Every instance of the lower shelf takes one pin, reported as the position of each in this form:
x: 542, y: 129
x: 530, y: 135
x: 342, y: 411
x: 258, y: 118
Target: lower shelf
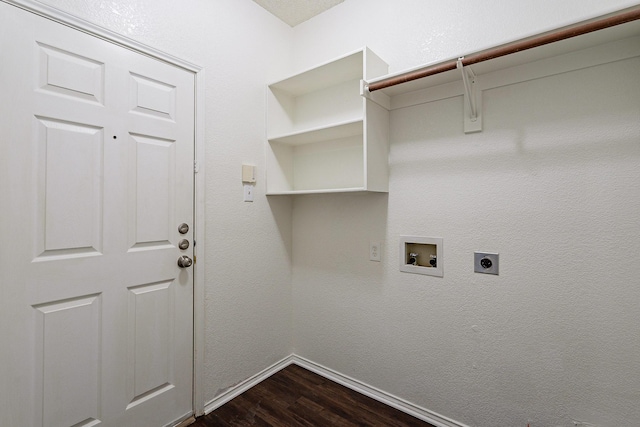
x: 320, y: 167
x: 319, y: 191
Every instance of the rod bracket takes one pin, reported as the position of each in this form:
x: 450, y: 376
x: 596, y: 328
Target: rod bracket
x: 378, y: 97
x: 472, y: 99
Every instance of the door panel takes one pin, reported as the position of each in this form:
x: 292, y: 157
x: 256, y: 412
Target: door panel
x: 70, y: 74
x: 97, y: 173
x: 67, y: 333
x: 150, y: 362
x: 155, y: 98
x: 152, y: 181
x: 69, y: 188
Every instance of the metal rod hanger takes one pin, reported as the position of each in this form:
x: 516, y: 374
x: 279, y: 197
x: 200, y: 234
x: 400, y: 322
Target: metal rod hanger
x: 624, y: 16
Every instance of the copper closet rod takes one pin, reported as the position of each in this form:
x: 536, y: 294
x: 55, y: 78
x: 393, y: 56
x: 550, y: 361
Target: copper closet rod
x: 627, y: 15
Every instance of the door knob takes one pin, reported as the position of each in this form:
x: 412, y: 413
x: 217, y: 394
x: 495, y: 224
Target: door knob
x: 184, y: 261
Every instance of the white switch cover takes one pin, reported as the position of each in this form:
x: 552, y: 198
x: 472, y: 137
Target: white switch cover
x: 374, y: 251
x: 248, y: 193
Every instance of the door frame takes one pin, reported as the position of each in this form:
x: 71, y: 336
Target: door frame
x: 79, y: 24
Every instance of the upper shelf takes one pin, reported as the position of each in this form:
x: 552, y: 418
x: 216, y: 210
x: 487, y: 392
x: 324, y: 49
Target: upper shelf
x: 607, y: 35
x: 348, y: 67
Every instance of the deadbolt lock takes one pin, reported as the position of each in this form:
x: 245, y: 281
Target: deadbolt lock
x: 183, y: 244
x: 183, y: 228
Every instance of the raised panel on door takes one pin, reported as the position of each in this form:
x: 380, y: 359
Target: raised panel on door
x: 151, y: 338
x: 69, y: 188
x: 68, y: 354
x: 69, y: 74
x: 153, y: 97
x: 152, y: 164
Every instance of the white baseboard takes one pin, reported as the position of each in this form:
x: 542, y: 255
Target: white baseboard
x: 355, y: 385
x: 376, y: 394
x: 245, y: 385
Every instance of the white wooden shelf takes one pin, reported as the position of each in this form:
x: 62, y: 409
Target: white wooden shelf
x: 323, y: 76
x: 337, y: 131
x: 322, y: 135
x: 320, y: 191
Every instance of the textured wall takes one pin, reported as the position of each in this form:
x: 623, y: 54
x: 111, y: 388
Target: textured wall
x: 553, y: 338
x: 248, y: 272
x: 410, y: 33
x: 552, y: 184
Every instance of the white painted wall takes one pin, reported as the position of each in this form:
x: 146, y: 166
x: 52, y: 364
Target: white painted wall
x: 248, y: 272
x: 552, y: 184
x: 409, y: 33
x: 553, y: 338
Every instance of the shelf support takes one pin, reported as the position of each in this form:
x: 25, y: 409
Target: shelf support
x: 472, y: 99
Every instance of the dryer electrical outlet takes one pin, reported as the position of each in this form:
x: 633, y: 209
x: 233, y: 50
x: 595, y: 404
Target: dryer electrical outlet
x: 486, y: 262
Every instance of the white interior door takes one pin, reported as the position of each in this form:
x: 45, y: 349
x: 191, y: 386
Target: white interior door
x: 96, y: 168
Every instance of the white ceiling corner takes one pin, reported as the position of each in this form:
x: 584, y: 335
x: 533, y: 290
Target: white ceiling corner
x: 294, y: 12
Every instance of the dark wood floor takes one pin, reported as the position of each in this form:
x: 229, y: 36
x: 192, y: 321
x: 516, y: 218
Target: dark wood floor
x: 295, y: 397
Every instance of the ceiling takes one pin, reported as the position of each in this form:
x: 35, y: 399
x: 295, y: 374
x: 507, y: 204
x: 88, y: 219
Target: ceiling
x: 294, y: 12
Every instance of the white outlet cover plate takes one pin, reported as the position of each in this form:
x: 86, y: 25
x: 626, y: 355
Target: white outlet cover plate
x: 375, y: 249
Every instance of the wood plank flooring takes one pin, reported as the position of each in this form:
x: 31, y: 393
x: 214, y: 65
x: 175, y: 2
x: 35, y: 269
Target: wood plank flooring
x: 296, y: 397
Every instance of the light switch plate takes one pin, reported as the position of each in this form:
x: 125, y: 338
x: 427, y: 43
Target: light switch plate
x: 248, y: 193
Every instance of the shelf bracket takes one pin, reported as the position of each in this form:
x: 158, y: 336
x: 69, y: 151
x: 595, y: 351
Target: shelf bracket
x: 472, y: 99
